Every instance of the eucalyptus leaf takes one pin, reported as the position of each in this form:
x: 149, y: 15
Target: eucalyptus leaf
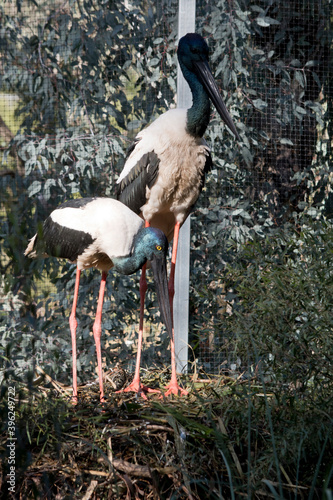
x: 87, y: 80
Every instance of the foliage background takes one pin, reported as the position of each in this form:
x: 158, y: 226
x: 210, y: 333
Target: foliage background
x: 78, y: 79
x: 82, y: 91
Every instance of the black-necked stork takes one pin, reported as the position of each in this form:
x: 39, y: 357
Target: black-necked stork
x: 165, y: 167
x: 104, y: 233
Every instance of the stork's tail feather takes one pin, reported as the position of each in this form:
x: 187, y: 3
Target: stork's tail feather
x: 30, y: 251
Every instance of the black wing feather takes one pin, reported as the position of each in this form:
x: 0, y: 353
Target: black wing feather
x: 60, y: 241
x: 206, y: 170
x: 64, y: 242
x: 132, y: 189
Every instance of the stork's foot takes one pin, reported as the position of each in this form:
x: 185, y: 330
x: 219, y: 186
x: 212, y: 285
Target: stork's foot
x: 141, y: 390
x: 173, y: 388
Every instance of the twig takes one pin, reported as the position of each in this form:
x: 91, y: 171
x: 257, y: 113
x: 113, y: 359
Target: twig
x: 131, y: 469
x: 59, y: 387
x: 90, y: 490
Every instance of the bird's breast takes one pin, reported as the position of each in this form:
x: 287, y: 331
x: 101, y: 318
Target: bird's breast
x: 182, y: 159
x: 179, y: 180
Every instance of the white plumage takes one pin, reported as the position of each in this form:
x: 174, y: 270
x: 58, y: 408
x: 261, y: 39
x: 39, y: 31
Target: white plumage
x: 103, y: 233
x: 110, y: 224
x: 166, y: 166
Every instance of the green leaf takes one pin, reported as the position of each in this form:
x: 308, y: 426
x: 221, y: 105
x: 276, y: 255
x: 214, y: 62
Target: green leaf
x: 259, y: 104
x: 286, y: 141
x: 34, y: 188
x: 266, y: 21
x: 300, y: 77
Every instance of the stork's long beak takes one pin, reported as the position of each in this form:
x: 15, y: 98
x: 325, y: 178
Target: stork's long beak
x: 159, y: 268
x: 206, y: 78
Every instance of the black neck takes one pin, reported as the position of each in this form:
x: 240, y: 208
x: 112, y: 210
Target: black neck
x: 199, y: 114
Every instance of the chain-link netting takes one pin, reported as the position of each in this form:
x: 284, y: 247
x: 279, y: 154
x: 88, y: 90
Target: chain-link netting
x: 78, y: 80
x: 273, y: 62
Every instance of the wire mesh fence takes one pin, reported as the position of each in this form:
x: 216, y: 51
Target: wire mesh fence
x: 273, y: 61
x: 78, y: 80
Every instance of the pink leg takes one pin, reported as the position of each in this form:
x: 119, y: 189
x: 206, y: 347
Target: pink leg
x: 73, y: 326
x: 97, y: 330
x: 135, y: 385
x: 173, y: 387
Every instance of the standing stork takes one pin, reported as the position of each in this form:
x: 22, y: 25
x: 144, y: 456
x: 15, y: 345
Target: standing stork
x: 166, y: 165
x: 104, y: 233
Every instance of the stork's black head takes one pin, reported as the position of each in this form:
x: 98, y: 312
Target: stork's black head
x: 193, y: 55
x: 154, y: 242
x: 192, y: 48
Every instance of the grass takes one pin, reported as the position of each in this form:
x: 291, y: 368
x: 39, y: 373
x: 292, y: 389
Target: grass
x: 226, y: 440
x: 264, y: 432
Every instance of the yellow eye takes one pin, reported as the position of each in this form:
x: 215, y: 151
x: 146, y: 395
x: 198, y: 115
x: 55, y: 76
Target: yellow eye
x: 158, y: 247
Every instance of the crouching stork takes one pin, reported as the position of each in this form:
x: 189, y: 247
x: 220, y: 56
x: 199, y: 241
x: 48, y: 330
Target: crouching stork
x: 166, y: 166
x: 104, y: 233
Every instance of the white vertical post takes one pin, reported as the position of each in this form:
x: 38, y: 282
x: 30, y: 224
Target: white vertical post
x: 186, y: 24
